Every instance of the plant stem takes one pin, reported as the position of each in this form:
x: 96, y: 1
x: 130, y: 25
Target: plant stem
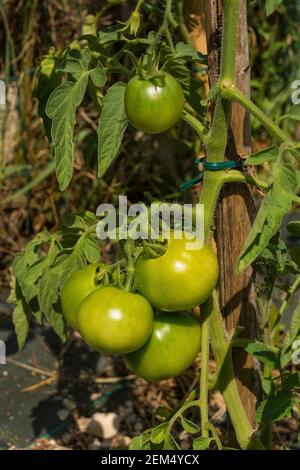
x: 217, y: 142
x: 231, y: 92
x: 213, y: 181
x: 168, y: 17
x: 266, y: 435
x: 169, y: 14
x: 181, y: 23
x: 234, y: 176
x: 212, y: 184
x: 129, y: 246
x: 221, y: 345
x: 205, y: 337
x: 229, y: 41
x: 195, y: 124
x: 182, y: 409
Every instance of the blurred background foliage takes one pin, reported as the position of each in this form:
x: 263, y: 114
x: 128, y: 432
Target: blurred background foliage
x: 147, y: 165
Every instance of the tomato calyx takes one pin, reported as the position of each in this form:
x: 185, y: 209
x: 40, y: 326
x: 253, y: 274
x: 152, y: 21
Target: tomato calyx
x: 110, y: 274
x: 154, y: 249
x: 148, y: 70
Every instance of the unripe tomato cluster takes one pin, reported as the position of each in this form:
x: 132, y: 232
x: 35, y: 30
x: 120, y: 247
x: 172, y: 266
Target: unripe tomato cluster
x: 154, y: 327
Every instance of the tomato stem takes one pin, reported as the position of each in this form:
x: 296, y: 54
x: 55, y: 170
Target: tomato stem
x: 221, y: 345
x: 234, y: 176
x: 229, y: 40
x: 213, y: 182
x: 164, y: 29
x: 205, y: 337
x: 217, y: 142
x: 129, y: 247
x: 195, y: 124
x: 233, y: 93
x: 181, y: 23
x: 178, y: 412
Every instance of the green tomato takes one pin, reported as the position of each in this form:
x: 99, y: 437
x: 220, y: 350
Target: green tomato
x: 114, y: 321
x: 180, y: 279
x: 154, y: 105
x: 172, y: 347
x: 76, y: 288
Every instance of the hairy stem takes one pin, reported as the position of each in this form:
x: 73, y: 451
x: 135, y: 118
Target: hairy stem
x: 168, y: 18
x: 205, y: 339
x: 195, y: 124
x: 229, y: 40
x: 181, y: 23
x: 129, y: 246
x: 221, y: 345
x: 234, y: 176
x: 231, y: 92
x: 212, y: 184
x: 213, y: 181
x: 217, y: 142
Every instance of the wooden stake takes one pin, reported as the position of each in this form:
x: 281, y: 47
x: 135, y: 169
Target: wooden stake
x: 235, y: 214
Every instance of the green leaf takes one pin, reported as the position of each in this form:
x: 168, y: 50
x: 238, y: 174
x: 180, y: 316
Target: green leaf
x: 48, y: 79
x: 271, y: 6
x: 21, y: 322
x: 109, y: 34
x: 61, y: 108
x: 32, y: 249
x: 162, y: 411
x: 170, y: 443
x: 291, y: 335
x: 185, y: 51
x: 19, y: 266
x: 91, y: 249
x: 179, y: 70
x: 201, y: 443
x: 158, y: 433
x: 267, y: 154
x: 75, y: 62
x: 136, y: 443
x: 51, y: 282
x: 264, y: 353
x: 98, y: 76
x: 275, y: 407
x: 112, y: 125
x: 34, y: 273
x: 28, y: 266
x: 267, y: 385
x: 274, y: 207
x: 189, y: 426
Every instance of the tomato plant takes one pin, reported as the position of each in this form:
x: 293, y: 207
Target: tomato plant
x: 156, y: 88
x: 154, y: 105
x: 180, y: 279
x: 172, y: 347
